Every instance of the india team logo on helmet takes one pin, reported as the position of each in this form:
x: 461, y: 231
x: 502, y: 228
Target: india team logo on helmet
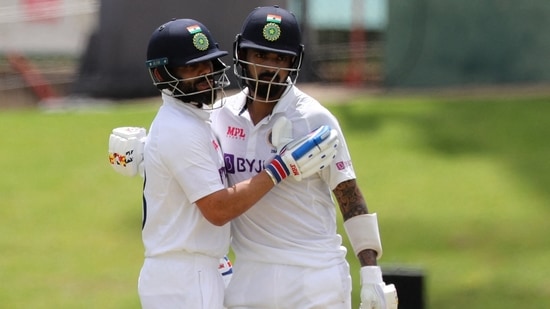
x: 200, y: 41
x: 271, y: 30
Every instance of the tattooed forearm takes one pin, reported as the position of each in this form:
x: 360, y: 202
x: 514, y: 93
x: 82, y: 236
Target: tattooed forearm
x: 350, y: 199
x: 352, y: 203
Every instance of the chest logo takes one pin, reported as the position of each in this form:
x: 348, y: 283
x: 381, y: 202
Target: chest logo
x: 236, y: 133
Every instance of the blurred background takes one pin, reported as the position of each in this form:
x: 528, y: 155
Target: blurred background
x: 94, y: 48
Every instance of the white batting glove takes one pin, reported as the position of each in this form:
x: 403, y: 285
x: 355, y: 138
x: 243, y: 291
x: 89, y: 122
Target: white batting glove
x: 226, y: 270
x: 305, y: 156
x: 375, y: 294
x: 126, y: 150
x: 281, y: 133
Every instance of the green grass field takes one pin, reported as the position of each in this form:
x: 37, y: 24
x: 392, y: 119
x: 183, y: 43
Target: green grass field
x: 461, y: 188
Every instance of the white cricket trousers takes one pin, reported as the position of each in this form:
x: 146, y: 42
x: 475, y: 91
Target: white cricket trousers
x: 181, y: 280
x: 264, y: 286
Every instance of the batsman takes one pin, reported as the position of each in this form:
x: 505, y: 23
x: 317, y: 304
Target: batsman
x: 288, y: 253
x: 187, y: 202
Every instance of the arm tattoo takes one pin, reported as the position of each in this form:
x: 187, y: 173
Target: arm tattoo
x: 350, y: 199
x: 352, y: 203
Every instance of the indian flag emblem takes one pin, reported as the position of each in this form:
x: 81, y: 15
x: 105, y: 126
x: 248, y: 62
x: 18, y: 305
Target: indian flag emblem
x: 272, y: 18
x: 194, y: 29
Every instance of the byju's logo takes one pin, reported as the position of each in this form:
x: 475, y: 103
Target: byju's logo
x: 237, y: 133
x: 235, y: 165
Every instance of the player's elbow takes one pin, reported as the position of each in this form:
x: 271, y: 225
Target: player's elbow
x: 211, y: 210
x: 217, y: 220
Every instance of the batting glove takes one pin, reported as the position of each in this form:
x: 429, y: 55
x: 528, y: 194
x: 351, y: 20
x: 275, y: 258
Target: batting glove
x: 375, y: 294
x: 305, y: 156
x: 281, y: 133
x: 126, y: 150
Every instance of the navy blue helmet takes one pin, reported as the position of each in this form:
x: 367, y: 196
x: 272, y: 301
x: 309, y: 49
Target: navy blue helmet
x: 182, y: 42
x: 268, y: 29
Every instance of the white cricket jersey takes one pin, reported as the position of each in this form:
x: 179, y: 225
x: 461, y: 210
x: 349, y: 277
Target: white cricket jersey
x: 183, y: 163
x: 295, y: 223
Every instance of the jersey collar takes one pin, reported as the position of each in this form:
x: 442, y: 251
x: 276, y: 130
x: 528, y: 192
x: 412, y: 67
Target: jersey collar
x: 186, y: 107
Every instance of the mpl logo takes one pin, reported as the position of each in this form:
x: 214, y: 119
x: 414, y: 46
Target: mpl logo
x: 237, y: 133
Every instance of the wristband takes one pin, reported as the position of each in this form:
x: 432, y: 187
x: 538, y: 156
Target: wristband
x: 277, y: 170
x: 269, y: 173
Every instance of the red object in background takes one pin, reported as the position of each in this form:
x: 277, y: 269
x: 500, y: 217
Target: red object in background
x: 41, y: 9
x: 32, y: 76
x: 356, y: 75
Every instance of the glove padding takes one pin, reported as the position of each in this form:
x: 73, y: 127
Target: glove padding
x: 375, y: 294
x: 226, y: 270
x: 305, y: 156
x: 126, y: 150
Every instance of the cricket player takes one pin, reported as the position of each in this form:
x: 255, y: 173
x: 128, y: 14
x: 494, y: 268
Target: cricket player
x: 287, y: 251
x: 187, y: 203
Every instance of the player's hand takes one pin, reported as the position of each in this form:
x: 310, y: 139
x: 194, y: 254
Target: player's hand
x: 226, y: 270
x: 375, y: 294
x: 126, y: 150
x: 305, y: 156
